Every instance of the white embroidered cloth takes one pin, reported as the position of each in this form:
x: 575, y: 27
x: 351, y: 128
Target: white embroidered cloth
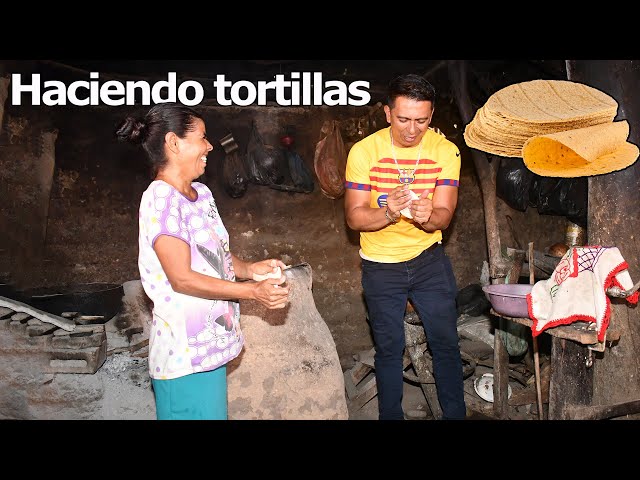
x: 576, y: 291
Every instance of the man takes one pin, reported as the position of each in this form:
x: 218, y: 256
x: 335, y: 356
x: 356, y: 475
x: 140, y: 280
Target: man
x: 402, y: 255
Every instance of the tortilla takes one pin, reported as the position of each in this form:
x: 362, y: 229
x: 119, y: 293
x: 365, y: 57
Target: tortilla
x: 552, y: 101
x: 524, y: 110
x: 593, y: 150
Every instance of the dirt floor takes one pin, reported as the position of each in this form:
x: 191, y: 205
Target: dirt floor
x: 416, y: 407
x: 476, y: 343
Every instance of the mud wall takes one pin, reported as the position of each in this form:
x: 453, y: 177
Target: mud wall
x: 91, y: 228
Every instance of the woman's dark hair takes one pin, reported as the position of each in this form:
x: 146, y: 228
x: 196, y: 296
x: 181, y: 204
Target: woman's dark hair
x: 412, y: 86
x: 152, y: 128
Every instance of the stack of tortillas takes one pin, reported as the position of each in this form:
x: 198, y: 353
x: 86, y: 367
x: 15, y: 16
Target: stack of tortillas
x: 559, y: 128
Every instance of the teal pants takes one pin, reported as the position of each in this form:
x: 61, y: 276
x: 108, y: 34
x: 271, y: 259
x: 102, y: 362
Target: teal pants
x: 199, y: 396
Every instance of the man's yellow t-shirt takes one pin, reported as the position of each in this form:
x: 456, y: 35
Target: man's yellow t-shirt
x: 371, y: 167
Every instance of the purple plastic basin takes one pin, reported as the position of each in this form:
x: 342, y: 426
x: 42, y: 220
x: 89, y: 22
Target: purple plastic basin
x: 509, y: 299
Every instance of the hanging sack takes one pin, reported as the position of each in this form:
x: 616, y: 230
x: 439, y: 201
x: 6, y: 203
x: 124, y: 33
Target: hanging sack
x: 234, y: 176
x: 330, y: 160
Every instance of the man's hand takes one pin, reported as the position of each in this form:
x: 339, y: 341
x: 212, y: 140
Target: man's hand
x: 398, y: 199
x: 421, y: 209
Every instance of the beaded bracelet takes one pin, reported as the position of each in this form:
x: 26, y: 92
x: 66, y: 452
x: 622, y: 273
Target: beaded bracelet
x: 389, y: 217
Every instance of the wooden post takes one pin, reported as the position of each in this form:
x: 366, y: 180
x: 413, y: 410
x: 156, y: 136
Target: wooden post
x: 415, y: 339
x: 487, y: 171
x: 4, y: 93
x: 613, y: 219
x: 536, y: 356
x: 571, y: 380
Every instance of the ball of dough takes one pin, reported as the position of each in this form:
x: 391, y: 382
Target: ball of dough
x: 407, y: 211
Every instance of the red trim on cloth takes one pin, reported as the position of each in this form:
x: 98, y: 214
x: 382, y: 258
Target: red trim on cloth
x: 574, y: 258
x: 535, y: 331
x: 610, y: 281
x: 548, y: 293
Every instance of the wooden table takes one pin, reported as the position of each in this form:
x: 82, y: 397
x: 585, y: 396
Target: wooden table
x: 580, y: 332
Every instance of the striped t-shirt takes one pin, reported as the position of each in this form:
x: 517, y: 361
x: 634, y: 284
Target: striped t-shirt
x: 371, y: 167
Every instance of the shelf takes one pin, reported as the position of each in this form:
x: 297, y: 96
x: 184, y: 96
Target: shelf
x: 576, y: 331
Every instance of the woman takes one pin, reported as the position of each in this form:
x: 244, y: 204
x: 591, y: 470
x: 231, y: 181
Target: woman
x: 188, y: 271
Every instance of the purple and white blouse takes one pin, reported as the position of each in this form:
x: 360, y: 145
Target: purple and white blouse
x: 189, y: 334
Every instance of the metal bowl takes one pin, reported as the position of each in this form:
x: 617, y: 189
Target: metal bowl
x: 509, y: 299
x: 484, y: 387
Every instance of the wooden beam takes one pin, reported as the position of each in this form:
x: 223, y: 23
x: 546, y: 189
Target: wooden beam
x: 545, y: 263
x: 601, y: 412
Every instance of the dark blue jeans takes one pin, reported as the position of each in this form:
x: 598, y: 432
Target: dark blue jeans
x: 429, y: 283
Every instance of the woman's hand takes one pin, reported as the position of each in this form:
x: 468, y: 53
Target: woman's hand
x: 271, y: 290
x: 272, y: 294
x: 270, y: 268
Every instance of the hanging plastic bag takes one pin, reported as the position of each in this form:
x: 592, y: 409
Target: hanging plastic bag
x: 330, y: 160
x: 300, y: 174
x: 298, y: 178
x: 561, y: 196
x: 513, y: 181
x: 265, y: 163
